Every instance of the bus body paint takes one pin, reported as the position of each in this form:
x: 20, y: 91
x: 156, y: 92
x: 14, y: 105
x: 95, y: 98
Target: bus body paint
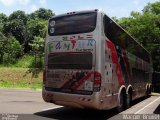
x: 115, y: 61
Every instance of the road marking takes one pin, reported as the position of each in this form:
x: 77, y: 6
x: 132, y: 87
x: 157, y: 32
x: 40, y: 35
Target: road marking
x: 147, y: 106
x: 52, y: 108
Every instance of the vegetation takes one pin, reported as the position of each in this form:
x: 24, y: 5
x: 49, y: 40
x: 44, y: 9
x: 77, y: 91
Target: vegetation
x: 145, y: 27
x: 22, y: 48
x: 20, y: 78
x: 22, y: 33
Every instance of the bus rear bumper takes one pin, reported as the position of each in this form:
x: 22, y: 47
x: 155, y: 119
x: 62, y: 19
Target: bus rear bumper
x: 72, y: 100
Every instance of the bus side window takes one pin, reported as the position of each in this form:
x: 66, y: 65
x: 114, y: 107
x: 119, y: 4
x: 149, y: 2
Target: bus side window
x: 106, y: 25
x: 109, y: 29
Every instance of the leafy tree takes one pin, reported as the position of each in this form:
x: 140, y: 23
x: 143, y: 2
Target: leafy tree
x: 3, y: 20
x: 42, y: 13
x: 38, y: 45
x: 38, y: 50
x: 145, y: 28
x: 37, y: 27
x: 12, y: 50
x: 15, y: 28
x: 153, y: 8
x: 3, y: 42
x: 19, y: 15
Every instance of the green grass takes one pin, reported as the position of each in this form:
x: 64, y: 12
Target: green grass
x: 27, y: 61
x: 155, y: 94
x: 20, y: 78
x: 24, y: 62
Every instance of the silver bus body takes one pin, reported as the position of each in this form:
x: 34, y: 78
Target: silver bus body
x: 88, y: 70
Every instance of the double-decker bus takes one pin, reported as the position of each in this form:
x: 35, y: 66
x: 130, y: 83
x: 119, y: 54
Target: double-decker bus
x: 91, y: 62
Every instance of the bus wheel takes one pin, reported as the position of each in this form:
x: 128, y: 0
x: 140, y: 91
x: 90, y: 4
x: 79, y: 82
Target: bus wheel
x: 147, y: 93
x: 121, y: 104
x: 128, y: 100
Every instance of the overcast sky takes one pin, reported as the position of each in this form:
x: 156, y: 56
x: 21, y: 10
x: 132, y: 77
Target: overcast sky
x: 118, y: 8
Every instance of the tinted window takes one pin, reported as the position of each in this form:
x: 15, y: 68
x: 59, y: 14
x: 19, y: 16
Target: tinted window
x: 121, y: 38
x: 70, y: 61
x: 72, y: 24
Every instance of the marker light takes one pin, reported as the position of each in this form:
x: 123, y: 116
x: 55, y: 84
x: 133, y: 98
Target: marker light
x: 52, y: 30
x: 52, y: 23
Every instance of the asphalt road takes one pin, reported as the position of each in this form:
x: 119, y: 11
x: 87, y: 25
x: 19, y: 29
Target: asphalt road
x: 28, y: 104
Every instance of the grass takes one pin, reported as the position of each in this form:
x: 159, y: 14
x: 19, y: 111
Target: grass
x: 20, y: 78
x: 24, y: 62
x: 155, y: 94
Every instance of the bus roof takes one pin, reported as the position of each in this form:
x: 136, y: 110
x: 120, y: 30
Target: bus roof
x: 75, y: 12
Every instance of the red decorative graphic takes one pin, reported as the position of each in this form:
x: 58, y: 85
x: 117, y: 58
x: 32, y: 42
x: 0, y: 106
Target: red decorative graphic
x: 80, y: 82
x: 73, y: 38
x: 115, y: 61
x: 73, y: 43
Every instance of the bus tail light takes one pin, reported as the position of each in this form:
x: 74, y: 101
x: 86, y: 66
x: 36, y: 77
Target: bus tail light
x: 97, y: 82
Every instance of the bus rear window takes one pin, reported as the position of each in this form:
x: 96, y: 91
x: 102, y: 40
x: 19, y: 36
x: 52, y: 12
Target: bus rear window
x: 70, y: 60
x: 72, y: 24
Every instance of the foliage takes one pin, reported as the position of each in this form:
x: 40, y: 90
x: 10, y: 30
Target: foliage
x: 145, y: 28
x: 3, y: 18
x: 37, y: 28
x: 11, y: 50
x: 38, y: 50
x: 24, y: 62
x: 23, y: 27
x: 153, y: 8
x: 42, y: 13
x: 38, y: 45
x: 18, y: 15
x: 15, y: 28
x: 3, y: 42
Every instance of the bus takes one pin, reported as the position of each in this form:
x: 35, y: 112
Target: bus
x: 92, y: 62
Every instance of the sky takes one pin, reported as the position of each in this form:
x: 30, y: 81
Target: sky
x: 113, y: 8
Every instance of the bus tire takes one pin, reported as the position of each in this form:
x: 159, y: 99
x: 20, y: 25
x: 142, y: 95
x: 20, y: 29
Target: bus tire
x: 121, y: 102
x: 147, y: 93
x: 128, y: 100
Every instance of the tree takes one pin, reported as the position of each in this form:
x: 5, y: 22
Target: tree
x: 145, y: 28
x: 3, y: 42
x: 153, y: 8
x: 3, y: 20
x: 42, y: 13
x: 13, y: 50
x: 10, y: 49
x: 38, y: 50
x: 15, y: 28
x: 37, y: 27
x: 18, y: 15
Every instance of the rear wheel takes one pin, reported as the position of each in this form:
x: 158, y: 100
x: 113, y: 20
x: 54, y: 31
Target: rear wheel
x: 121, y: 105
x: 150, y: 90
x: 147, y: 93
x: 128, y: 100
